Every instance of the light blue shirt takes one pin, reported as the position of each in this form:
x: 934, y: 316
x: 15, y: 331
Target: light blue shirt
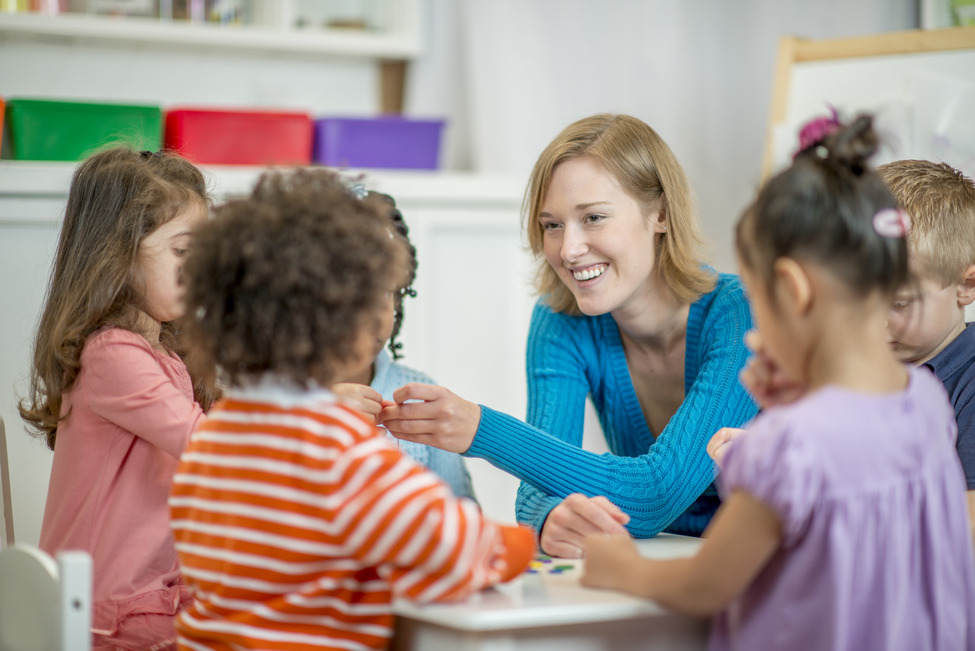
x: 389, y: 376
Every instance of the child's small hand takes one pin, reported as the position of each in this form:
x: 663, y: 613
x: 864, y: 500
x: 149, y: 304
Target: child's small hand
x: 610, y: 559
x: 718, y: 444
x: 361, y: 397
x: 765, y: 380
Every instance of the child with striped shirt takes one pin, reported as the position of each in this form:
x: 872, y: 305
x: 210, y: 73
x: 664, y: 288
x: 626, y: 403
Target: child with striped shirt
x: 296, y: 521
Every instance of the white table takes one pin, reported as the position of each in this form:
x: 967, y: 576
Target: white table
x: 548, y: 611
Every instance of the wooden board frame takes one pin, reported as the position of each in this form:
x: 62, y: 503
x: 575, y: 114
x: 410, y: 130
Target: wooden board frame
x: 794, y: 50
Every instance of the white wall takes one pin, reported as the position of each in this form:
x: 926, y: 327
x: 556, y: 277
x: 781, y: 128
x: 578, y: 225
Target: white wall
x: 699, y: 72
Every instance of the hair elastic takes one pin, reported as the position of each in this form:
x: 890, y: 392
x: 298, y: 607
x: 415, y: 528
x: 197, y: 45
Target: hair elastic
x: 815, y: 131
x: 892, y: 222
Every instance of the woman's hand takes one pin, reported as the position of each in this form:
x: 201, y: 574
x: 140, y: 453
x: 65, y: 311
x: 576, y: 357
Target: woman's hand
x: 717, y: 446
x: 432, y: 415
x: 365, y: 399
x: 765, y: 380
x: 576, y: 517
x: 610, y: 561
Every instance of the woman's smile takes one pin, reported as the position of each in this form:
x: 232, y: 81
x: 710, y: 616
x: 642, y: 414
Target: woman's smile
x: 589, y: 273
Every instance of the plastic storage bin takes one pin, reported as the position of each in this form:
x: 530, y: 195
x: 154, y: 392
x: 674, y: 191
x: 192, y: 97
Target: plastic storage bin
x: 69, y: 131
x: 240, y: 137
x: 386, y: 142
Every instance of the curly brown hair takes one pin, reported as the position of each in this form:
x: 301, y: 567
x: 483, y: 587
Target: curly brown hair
x: 399, y: 224
x: 286, y: 280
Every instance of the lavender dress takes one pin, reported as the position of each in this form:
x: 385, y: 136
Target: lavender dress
x: 876, y: 550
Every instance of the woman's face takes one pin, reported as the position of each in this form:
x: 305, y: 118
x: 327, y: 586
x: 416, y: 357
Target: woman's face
x: 597, y: 238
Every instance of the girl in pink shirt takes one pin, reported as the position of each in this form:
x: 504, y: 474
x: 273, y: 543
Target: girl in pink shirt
x: 109, y: 390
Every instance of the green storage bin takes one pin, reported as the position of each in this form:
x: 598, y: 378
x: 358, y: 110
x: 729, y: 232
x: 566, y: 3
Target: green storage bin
x: 71, y: 131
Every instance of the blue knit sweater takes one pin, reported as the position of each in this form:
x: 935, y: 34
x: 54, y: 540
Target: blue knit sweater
x: 661, y: 482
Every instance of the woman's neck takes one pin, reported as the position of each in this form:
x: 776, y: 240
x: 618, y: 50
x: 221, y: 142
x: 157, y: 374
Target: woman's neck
x: 657, y: 324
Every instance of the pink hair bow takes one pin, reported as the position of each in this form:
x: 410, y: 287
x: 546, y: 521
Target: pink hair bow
x: 815, y: 130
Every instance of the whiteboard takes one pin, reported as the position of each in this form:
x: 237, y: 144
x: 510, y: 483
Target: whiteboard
x: 920, y: 85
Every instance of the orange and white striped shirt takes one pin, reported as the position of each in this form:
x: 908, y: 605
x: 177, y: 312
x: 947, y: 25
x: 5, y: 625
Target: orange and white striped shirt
x: 297, y: 523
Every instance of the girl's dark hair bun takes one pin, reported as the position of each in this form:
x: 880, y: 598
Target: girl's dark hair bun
x: 823, y: 209
x: 851, y: 146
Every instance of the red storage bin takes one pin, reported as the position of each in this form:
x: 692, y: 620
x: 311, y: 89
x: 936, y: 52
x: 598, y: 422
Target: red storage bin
x: 210, y: 137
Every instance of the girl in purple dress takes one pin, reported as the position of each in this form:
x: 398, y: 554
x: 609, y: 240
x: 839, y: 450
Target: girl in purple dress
x: 844, y: 522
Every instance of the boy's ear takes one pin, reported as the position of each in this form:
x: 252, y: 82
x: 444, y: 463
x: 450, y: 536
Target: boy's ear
x: 794, y: 284
x: 966, y: 288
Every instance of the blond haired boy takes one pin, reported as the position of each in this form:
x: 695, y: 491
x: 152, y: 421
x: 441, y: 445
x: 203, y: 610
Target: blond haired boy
x: 927, y: 320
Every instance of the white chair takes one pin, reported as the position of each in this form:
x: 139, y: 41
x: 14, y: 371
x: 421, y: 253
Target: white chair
x: 7, y: 534
x: 44, y: 606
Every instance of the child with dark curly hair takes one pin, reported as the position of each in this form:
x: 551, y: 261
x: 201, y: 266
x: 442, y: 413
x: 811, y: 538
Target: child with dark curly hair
x: 371, y: 386
x: 295, y: 520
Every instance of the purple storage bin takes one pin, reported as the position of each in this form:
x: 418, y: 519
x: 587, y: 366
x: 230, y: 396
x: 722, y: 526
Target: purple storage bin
x: 388, y: 142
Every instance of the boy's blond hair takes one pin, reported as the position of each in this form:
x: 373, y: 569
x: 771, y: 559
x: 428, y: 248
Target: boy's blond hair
x: 941, y: 203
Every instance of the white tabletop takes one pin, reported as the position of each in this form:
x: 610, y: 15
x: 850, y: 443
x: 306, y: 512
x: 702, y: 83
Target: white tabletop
x: 549, y: 598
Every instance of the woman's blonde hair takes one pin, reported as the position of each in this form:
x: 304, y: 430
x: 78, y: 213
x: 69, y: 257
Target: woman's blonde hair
x: 647, y: 170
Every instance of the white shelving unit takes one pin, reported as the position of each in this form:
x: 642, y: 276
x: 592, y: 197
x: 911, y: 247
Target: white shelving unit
x: 399, y: 39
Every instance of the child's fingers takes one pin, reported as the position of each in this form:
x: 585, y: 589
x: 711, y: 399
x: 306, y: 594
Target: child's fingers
x: 719, y: 439
x: 606, y: 556
x: 717, y: 445
x: 753, y: 341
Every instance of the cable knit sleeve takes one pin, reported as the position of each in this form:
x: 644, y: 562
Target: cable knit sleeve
x: 654, y: 487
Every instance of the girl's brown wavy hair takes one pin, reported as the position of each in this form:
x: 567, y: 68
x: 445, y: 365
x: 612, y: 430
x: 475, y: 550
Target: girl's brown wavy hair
x: 117, y: 198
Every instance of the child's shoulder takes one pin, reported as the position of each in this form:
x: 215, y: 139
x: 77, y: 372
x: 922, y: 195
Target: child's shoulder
x: 389, y: 374
x: 957, y: 357
x: 317, y: 412
x: 111, y: 338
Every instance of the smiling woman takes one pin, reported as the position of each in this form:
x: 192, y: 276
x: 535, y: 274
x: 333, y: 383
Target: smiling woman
x: 630, y: 316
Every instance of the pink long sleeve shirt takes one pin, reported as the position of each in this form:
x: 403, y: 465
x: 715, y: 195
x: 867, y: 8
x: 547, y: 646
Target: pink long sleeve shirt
x: 126, y: 421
